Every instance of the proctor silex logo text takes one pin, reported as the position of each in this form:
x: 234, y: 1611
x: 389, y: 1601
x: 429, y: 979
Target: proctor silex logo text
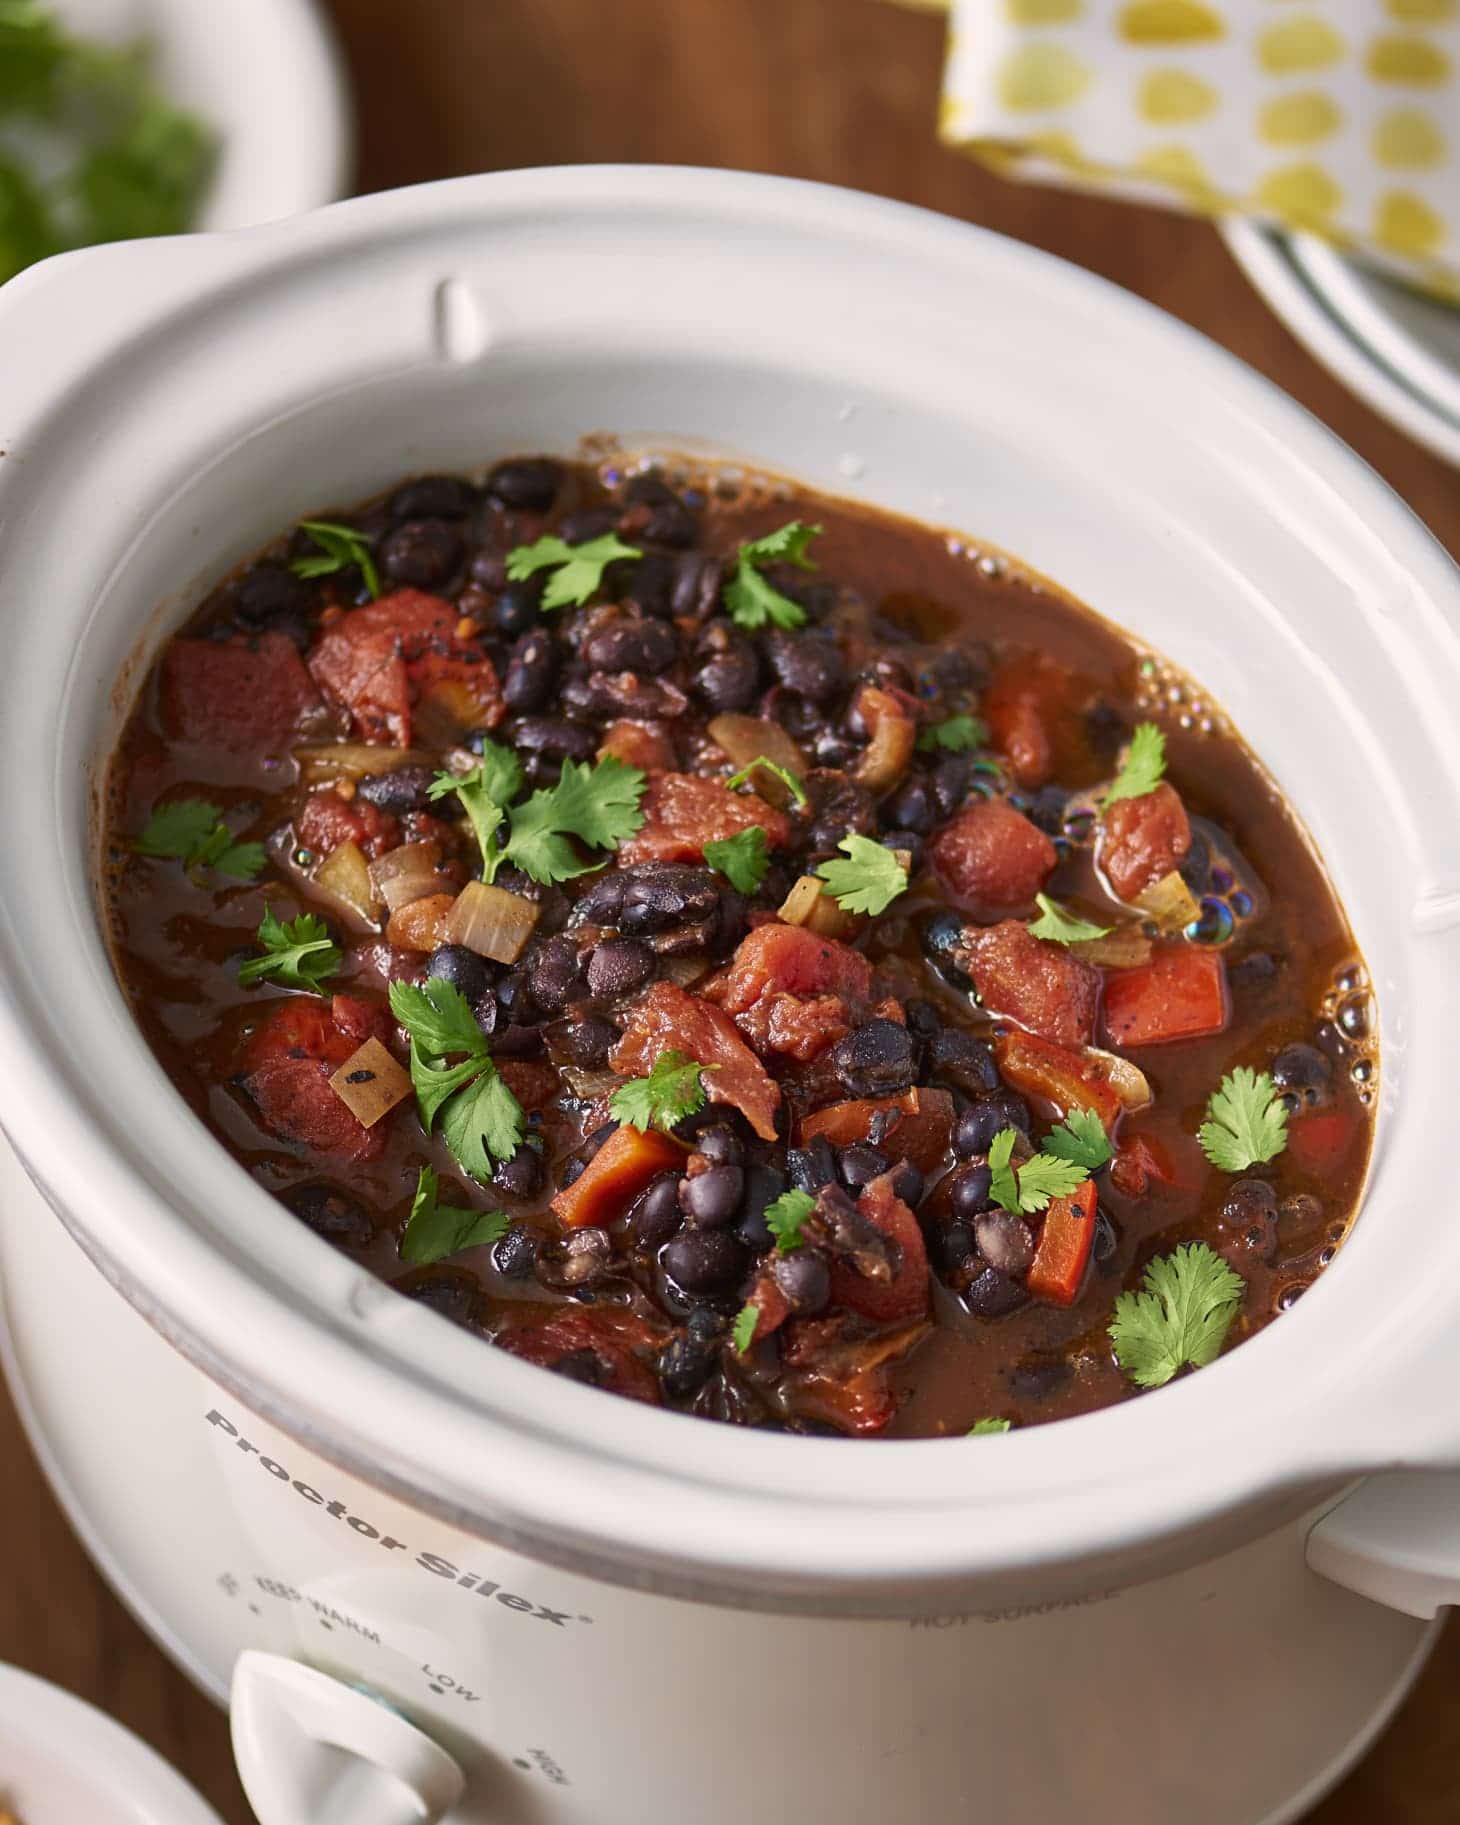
x: 468, y: 1581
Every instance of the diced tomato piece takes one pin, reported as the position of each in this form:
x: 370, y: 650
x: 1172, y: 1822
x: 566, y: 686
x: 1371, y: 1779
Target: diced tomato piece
x: 1037, y: 1068
x: 646, y: 745
x: 1065, y: 1241
x: 861, y: 1404
x: 1180, y: 994
x: 286, y: 1066
x: 615, y: 1176
x: 905, y: 1296
x: 452, y: 695
x: 667, y: 1019
x: 786, y: 989
x: 375, y: 660
x: 534, y: 1085
x: 326, y: 820
x: 1319, y: 1140
x: 358, y: 1020
x: 1140, y: 1162
x: 587, y: 1346
x: 921, y: 1133
x: 1022, y: 707
x: 247, y: 696
x: 1143, y: 839
x: 771, y: 1308
x: 683, y: 812
x: 991, y: 858
x: 1034, y: 982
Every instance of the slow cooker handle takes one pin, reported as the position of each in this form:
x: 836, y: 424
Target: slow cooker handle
x: 313, y: 1751
x: 1395, y: 1539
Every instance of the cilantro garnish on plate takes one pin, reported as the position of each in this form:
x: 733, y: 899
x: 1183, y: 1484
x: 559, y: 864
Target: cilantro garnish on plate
x: 577, y: 569
x: 1030, y: 1186
x: 1081, y: 1139
x: 986, y: 1428
x: 191, y: 831
x: 954, y: 735
x: 673, y: 1089
x: 299, y: 953
x: 752, y: 601
x: 1247, y: 1121
x: 435, y: 1230
x: 868, y: 881
x: 481, y: 1119
x: 1145, y: 763
x: 743, y: 858
x: 598, y: 805
x: 340, y: 548
x: 785, y: 1215
x: 1180, y: 1318
x: 1063, y: 927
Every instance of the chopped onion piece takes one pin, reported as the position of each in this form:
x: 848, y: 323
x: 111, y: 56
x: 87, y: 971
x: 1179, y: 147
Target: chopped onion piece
x: 370, y: 1083
x: 1170, y: 903
x: 323, y: 763
x: 492, y: 922
x: 346, y: 874
x: 894, y: 735
x: 406, y: 874
x: 1128, y: 1081
x: 808, y: 905
x: 748, y: 738
x: 1125, y: 948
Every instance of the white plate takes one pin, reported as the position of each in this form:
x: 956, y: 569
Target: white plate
x: 63, y: 1763
x: 1269, y: 262
x: 266, y: 75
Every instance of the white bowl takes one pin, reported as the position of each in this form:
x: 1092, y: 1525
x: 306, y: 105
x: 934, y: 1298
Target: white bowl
x: 931, y: 367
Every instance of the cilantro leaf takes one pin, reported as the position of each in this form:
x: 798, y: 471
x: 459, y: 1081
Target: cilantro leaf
x: 752, y: 601
x: 299, y: 954
x: 1080, y: 1138
x: 1030, y: 1186
x: 672, y: 1090
x: 436, y: 1082
x: 484, y: 791
x: 340, y: 547
x: 435, y: 1230
x: 1003, y: 1186
x: 1145, y: 762
x: 438, y: 1017
x: 868, y: 881
x: 746, y: 1319
x: 480, y: 1117
x: 785, y: 1215
x: 483, y: 1122
x: 599, y: 805
x: 985, y: 1428
x: 191, y: 831
x: 1247, y: 1122
x: 1181, y: 1317
x: 577, y: 569
x: 784, y: 774
x: 743, y: 858
x: 954, y: 735
x: 1061, y: 926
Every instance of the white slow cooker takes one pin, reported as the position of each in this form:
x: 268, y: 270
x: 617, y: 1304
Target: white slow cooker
x: 439, y: 1582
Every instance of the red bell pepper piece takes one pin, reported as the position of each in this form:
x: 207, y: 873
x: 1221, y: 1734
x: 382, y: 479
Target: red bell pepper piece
x: 616, y: 1174
x: 1037, y: 1068
x: 1319, y: 1139
x: 1064, y: 1247
x: 1180, y: 994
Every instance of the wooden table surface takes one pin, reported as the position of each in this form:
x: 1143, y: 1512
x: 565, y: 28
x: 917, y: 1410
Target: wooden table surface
x: 839, y: 90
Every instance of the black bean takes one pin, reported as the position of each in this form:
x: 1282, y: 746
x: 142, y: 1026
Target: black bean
x: 704, y: 1261
x: 984, y: 1117
x: 942, y: 937
x: 1104, y: 1247
x: 654, y: 1215
x: 648, y: 585
x: 910, y: 808
x: 811, y: 667
x: 595, y: 1140
x: 763, y: 1185
x: 953, y: 1245
x: 949, y: 783
x: 267, y: 596
x: 625, y: 645
x: 711, y: 1199
x: 874, y: 1060
x: 992, y: 1294
x: 847, y: 809
x: 449, y: 1291
x: 908, y: 1183
x: 907, y: 843
x: 530, y: 672
x: 618, y: 966
x: 624, y: 694
x: 489, y: 570
x: 721, y: 1145
x: 1037, y: 1377
x: 1256, y: 971
x: 433, y: 497
x: 516, y: 609
x: 923, y: 1020
x: 553, y: 738
x: 1249, y: 1201
x: 331, y: 1213
x: 527, y: 482
x: 484, y: 1007
x: 407, y: 789
x: 698, y: 577
x: 812, y: 1166
x: 520, y: 1176
x: 670, y: 521
x: 804, y: 1280
x: 968, y: 1191
x: 1004, y: 1240
x: 831, y: 750
x: 422, y: 554
x: 1196, y: 869
x: 587, y: 523
x: 685, y: 1365
x: 577, y: 1260
x: 514, y: 1255
x: 652, y: 897
x: 1046, y: 809
x: 462, y: 968
x: 586, y: 1041
x: 728, y: 681
x: 1304, y: 1070
x: 552, y: 974
x: 859, y: 1165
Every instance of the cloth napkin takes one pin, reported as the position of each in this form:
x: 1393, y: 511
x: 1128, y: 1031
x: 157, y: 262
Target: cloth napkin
x: 1340, y: 117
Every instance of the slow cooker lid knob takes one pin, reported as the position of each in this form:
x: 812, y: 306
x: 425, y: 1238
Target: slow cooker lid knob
x: 290, y: 1725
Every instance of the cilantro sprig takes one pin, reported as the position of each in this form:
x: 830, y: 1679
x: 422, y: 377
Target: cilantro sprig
x: 481, y: 1119
x: 1145, y: 763
x: 299, y: 953
x: 954, y: 735
x: 577, y: 569
x: 743, y: 858
x: 1180, y: 1318
x: 484, y: 793
x: 1081, y: 1139
x: 986, y: 1428
x: 762, y: 764
x: 746, y: 1319
x: 191, y: 831
x: 340, y: 548
x: 598, y: 805
x: 435, y: 1230
x: 1030, y: 1186
x: 673, y: 1089
x: 785, y: 1216
x: 1247, y: 1121
x: 752, y: 601
x: 868, y: 881
x: 1063, y: 927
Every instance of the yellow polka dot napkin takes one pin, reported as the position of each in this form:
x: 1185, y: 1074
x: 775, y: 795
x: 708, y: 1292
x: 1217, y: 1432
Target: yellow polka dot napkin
x: 1339, y: 116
